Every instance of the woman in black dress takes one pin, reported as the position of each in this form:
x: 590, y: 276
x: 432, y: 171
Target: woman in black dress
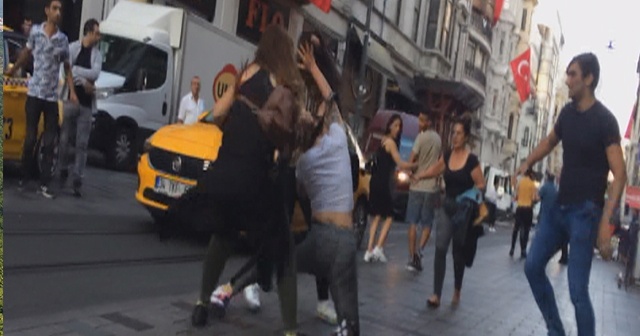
x: 462, y: 172
x: 236, y: 193
x: 381, y: 184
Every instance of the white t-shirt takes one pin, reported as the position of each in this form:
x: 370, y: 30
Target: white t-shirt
x: 190, y: 109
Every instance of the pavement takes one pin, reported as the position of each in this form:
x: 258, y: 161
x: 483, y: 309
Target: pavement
x: 496, y: 300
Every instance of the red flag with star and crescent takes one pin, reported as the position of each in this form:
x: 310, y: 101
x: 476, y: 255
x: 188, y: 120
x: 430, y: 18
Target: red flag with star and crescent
x: 522, y: 74
x: 324, y: 5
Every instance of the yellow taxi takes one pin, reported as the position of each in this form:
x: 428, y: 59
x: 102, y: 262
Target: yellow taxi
x: 15, y: 95
x: 175, y: 156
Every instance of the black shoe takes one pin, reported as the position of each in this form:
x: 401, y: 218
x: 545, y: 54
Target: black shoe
x: 64, y: 176
x: 21, y: 185
x: 200, y: 315
x: 417, y: 260
x: 523, y: 255
x: 511, y: 253
x: 76, y: 189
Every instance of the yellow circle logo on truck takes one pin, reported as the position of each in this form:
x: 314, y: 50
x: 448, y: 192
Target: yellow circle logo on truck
x: 225, y: 79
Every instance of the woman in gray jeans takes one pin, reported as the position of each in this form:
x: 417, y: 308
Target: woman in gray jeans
x: 462, y: 172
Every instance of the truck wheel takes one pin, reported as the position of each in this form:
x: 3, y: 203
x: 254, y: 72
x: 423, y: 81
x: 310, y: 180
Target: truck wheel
x: 38, y: 157
x: 122, y: 152
x: 360, y: 221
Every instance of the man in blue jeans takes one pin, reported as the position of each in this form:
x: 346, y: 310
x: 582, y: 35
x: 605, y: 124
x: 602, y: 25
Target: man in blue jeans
x: 591, y: 148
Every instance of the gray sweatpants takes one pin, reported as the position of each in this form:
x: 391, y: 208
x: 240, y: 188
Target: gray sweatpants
x: 77, y: 120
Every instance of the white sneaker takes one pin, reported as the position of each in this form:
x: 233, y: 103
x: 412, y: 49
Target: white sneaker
x: 327, y: 312
x: 252, y: 297
x: 368, y: 256
x: 221, y: 296
x: 378, y: 253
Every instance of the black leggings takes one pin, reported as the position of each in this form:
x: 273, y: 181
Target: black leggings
x: 447, y: 232
x: 524, y: 220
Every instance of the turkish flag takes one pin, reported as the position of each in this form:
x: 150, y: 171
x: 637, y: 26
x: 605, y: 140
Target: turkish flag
x: 522, y: 74
x: 627, y: 134
x: 497, y: 11
x: 325, y: 5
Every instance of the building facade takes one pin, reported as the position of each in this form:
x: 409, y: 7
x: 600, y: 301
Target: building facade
x: 554, y: 160
x: 495, y: 112
x: 520, y: 121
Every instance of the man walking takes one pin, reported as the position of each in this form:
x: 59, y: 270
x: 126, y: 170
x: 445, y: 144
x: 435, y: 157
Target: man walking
x: 191, y: 105
x: 49, y: 47
x: 526, y: 194
x: 591, y: 148
x: 423, y: 194
x: 87, y: 63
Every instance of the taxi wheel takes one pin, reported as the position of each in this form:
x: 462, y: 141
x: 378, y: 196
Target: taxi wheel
x: 122, y: 152
x: 38, y: 157
x: 360, y: 221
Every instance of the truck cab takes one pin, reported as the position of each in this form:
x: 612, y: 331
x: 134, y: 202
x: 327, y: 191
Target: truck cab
x: 150, y: 53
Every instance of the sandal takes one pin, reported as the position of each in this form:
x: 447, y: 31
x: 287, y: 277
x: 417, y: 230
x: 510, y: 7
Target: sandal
x: 433, y: 303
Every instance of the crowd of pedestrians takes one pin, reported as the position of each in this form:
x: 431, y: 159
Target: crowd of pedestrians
x: 284, y: 141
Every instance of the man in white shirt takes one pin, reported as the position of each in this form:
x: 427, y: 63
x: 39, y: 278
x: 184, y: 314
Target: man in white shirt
x: 191, y: 105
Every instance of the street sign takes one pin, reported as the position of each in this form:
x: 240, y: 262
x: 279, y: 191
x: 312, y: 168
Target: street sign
x: 225, y: 79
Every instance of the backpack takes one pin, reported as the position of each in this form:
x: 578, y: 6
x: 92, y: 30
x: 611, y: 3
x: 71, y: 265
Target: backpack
x: 277, y: 117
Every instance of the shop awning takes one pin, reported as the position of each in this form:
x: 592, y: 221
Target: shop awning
x: 379, y: 56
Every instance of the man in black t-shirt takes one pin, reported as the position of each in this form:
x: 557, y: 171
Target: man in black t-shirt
x: 591, y: 148
x: 86, y: 62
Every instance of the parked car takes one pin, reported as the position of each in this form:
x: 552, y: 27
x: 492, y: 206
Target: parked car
x: 15, y: 95
x: 410, y: 130
x: 175, y: 157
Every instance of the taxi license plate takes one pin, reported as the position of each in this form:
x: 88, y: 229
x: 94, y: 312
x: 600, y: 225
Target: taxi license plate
x: 170, y: 188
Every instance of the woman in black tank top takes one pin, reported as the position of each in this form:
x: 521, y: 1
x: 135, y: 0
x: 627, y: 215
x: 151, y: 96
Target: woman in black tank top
x: 461, y: 170
x: 236, y: 193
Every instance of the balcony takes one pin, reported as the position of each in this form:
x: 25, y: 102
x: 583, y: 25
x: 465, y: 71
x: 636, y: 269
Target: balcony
x: 477, y: 75
x: 482, y: 25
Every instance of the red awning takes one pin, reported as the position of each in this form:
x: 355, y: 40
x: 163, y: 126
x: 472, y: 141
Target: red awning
x: 325, y: 5
x: 633, y: 197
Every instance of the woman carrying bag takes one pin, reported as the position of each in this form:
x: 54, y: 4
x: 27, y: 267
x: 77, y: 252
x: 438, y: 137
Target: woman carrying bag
x: 462, y: 173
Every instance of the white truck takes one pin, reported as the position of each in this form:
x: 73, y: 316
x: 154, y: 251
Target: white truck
x: 150, y: 53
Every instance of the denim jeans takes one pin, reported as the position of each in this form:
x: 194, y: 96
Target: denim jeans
x: 421, y: 208
x: 330, y: 252
x: 578, y: 225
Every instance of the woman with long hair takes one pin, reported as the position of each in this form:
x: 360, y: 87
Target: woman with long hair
x: 462, y: 172
x: 380, y: 187
x: 236, y: 193
x: 313, y: 48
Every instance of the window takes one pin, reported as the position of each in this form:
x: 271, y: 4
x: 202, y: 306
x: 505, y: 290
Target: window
x: 510, y: 130
x: 432, y: 24
x: 143, y: 66
x: 495, y: 101
x: 416, y: 20
x: 525, y: 137
x: 445, y: 37
x: 471, y: 53
x: 523, y: 24
x: 398, y: 12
